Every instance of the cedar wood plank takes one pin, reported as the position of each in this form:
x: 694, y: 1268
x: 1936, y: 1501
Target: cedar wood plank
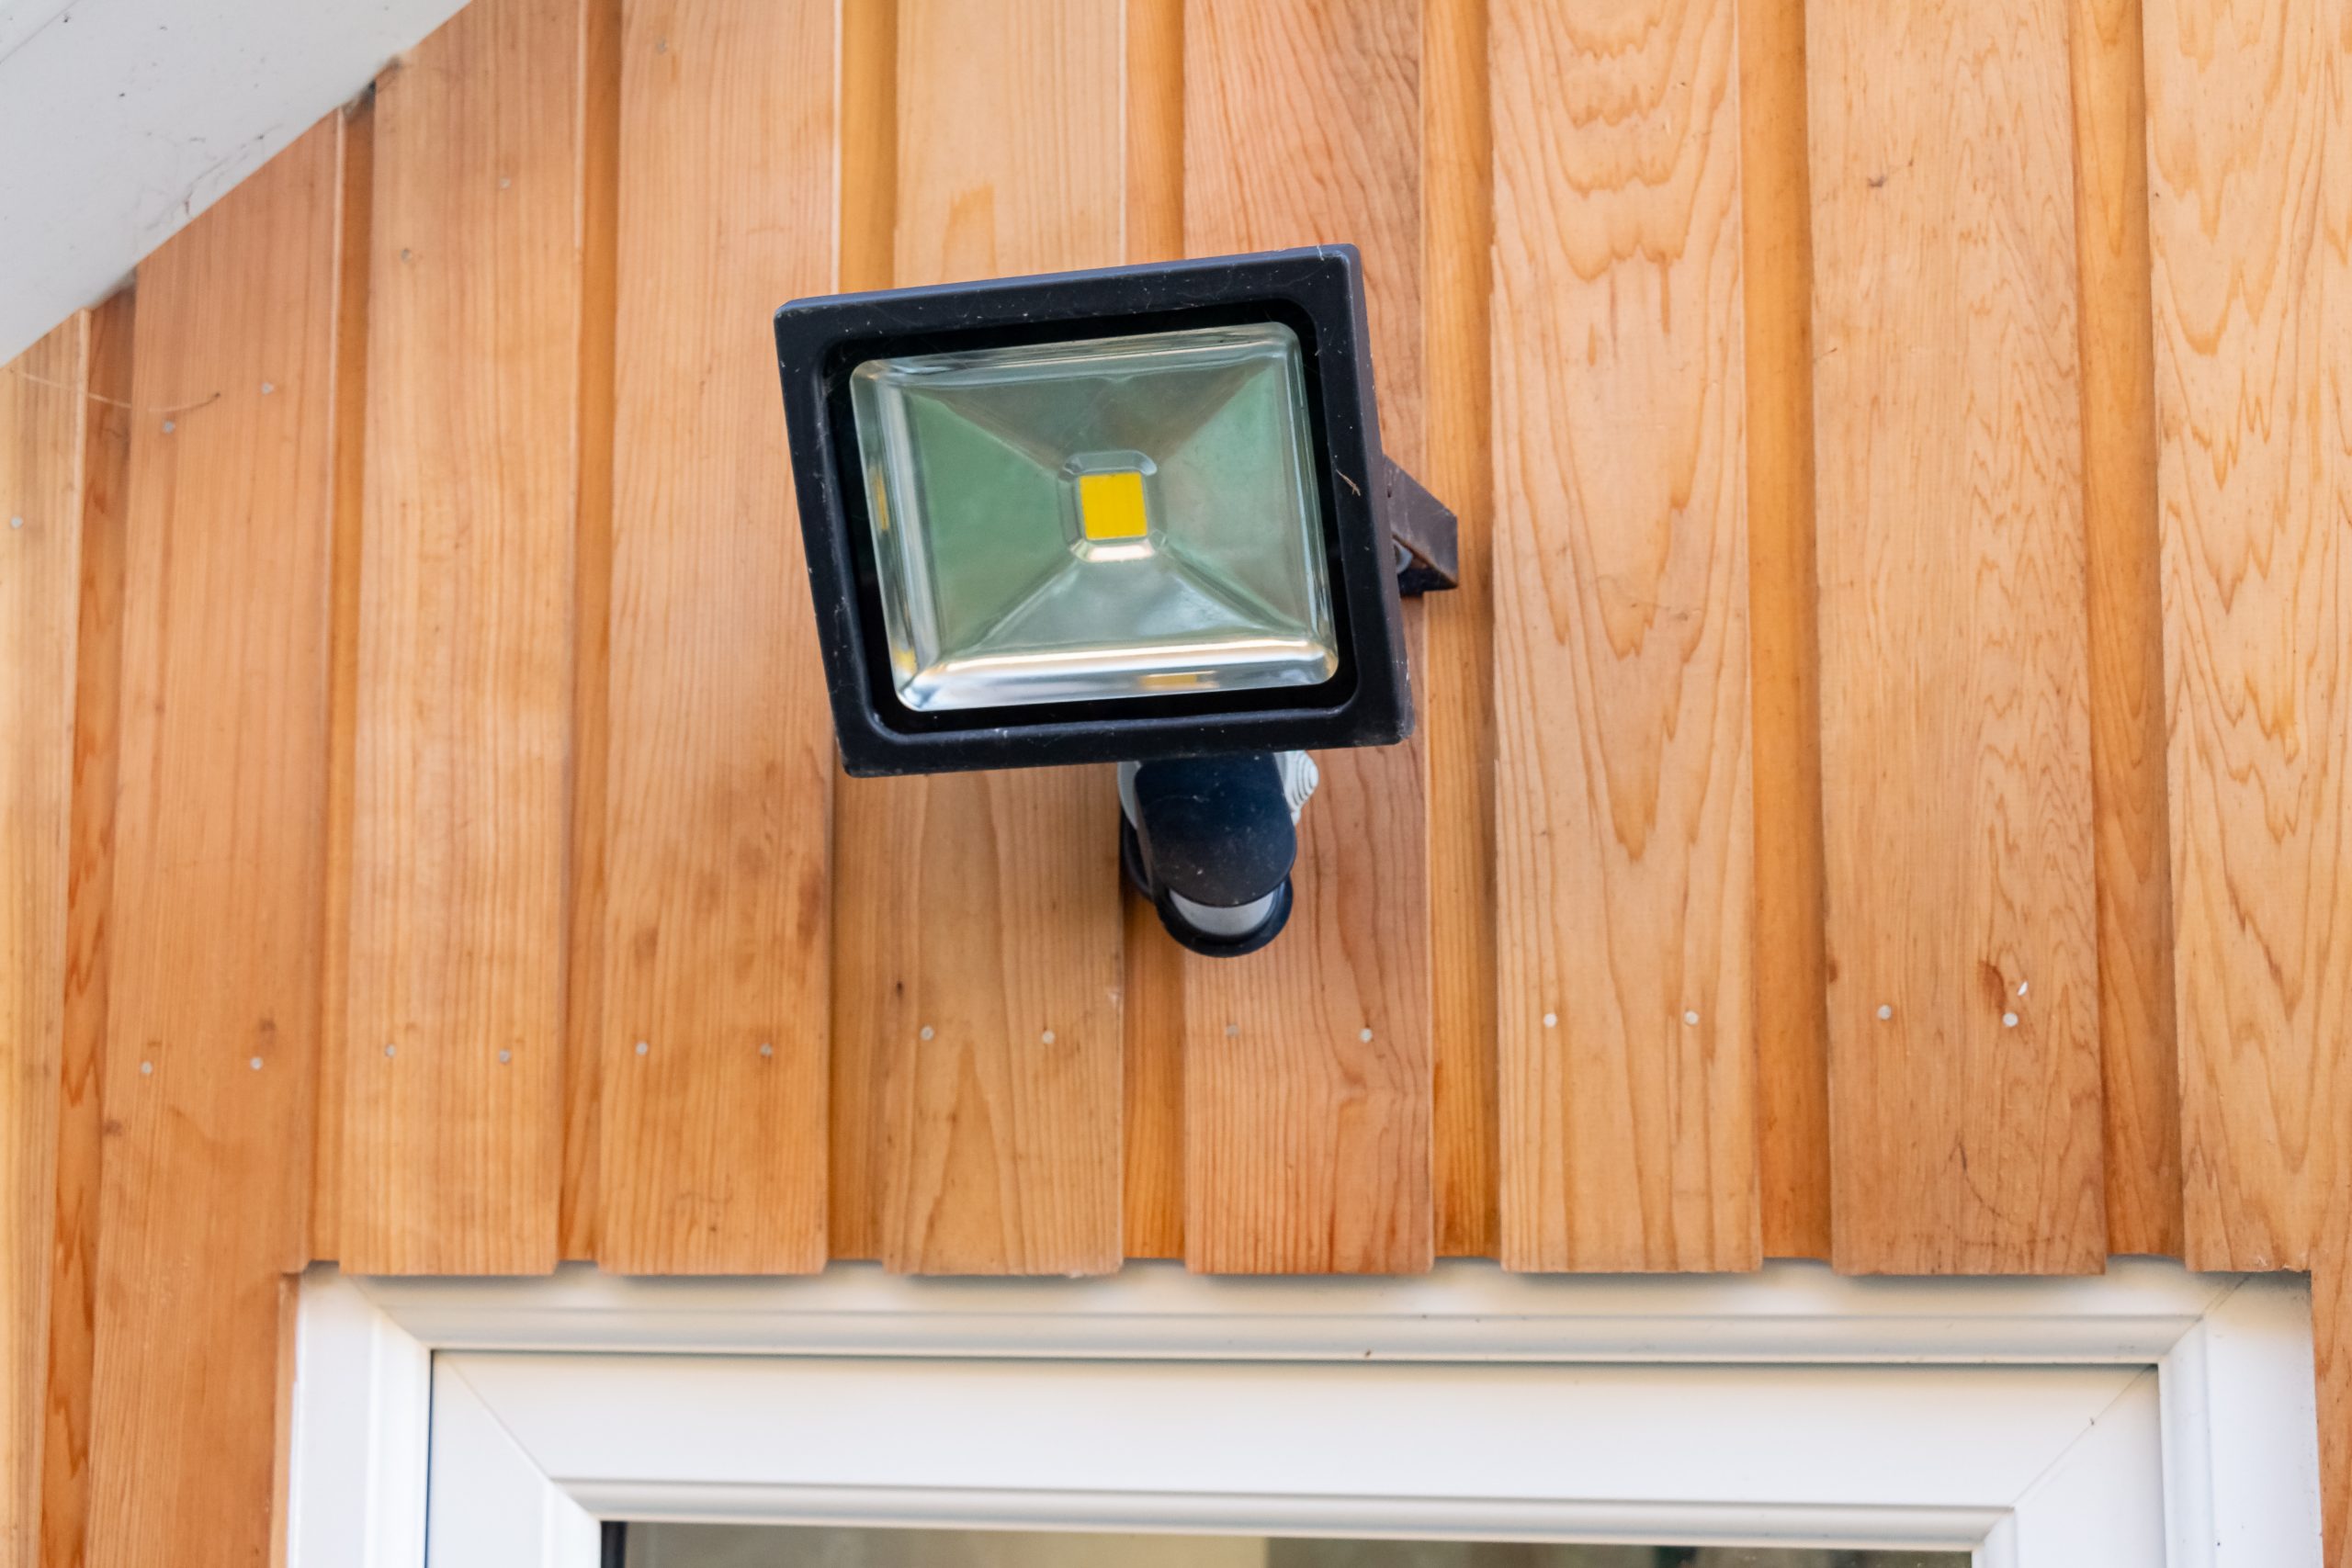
x: 591, y: 588
x: 868, y: 220
x: 343, y: 663
x: 1785, y: 676
x: 2137, y: 1053
x: 43, y: 423
x: 1457, y: 696
x: 81, y: 1135
x: 2250, y: 204
x: 1956, y: 779
x: 1309, y: 1076
x: 717, y: 920
x: 1152, y: 1005
x: 452, y: 1142
x: 216, y: 972
x: 1625, y: 818
x: 977, y: 921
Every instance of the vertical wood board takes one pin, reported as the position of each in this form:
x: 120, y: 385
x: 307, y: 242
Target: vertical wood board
x: 43, y: 415
x: 577, y: 1203
x: 716, y: 945
x: 1784, y: 672
x: 2250, y: 227
x: 1625, y: 821
x: 1309, y: 1076
x: 215, y: 965
x: 1456, y: 696
x: 1151, y: 1006
x: 2137, y: 1052
x: 977, y: 921
x: 343, y: 669
x: 1955, y: 752
x: 2250, y: 203
x: 452, y: 1117
x: 89, y: 898
x: 867, y: 215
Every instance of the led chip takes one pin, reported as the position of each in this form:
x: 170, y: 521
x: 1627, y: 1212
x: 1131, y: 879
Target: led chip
x: 1111, y: 506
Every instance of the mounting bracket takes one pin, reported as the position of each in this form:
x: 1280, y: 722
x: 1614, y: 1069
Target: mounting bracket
x: 1425, y: 531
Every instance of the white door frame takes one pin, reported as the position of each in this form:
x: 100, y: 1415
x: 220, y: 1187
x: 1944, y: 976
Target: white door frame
x: 1934, y: 1430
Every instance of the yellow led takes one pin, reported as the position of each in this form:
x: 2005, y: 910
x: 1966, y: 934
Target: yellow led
x: 1110, y: 506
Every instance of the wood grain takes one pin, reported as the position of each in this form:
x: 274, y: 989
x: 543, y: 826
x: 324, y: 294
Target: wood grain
x: 43, y: 420
x: 1308, y: 1077
x: 342, y: 667
x: 89, y: 901
x: 976, y: 920
x: 577, y: 1208
x: 2138, y: 1054
x: 716, y: 944
x: 1152, y: 1004
x: 868, y: 222
x: 1152, y: 1086
x: 219, y: 863
x: 1784, y: 675
x: 868, y: 112
x: 1154, y: 129
x: 2250, y: 204
x: 2251, y: 292
x: 1458, y: 695
x: 1955, y: 751
x: 452, y: 1107
x: 1625, y: 820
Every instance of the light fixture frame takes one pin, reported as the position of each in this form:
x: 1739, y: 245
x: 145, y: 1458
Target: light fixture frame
x: 1318, y: 294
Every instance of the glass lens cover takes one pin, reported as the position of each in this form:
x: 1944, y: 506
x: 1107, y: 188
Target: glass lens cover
x: 1115, y: 517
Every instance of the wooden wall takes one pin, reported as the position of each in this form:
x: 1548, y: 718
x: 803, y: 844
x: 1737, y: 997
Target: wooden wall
x: 1881, y: 792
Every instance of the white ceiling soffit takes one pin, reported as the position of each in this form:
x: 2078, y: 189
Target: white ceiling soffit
x: 122, y: 120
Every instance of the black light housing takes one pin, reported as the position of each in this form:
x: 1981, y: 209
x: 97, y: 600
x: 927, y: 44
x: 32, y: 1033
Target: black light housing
x: 1318, y: 294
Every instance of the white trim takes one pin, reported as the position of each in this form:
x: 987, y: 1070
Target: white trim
x: 1912, y: 1455
x: 2242, y: 1423
x: 1459, y: 1311
x: 362, y: 1410
x: 2227, y: 1397
x: 1401, y: 1518
x: 2102, y: 1499
x: 491, y: 1502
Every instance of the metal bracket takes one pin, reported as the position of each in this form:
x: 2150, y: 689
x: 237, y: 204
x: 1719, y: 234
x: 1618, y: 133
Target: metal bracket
x: 1424, y: 529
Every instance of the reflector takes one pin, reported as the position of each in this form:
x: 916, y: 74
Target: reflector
x: 1112, y: 517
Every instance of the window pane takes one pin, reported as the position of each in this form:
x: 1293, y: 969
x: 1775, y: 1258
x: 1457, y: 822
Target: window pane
x: 796, y: 1546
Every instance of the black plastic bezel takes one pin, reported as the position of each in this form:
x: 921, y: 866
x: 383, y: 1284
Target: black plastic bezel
x: 1317, y: 293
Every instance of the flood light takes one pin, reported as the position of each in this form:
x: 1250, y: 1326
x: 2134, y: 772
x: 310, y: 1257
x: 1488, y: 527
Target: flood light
x: 1135, y: 515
